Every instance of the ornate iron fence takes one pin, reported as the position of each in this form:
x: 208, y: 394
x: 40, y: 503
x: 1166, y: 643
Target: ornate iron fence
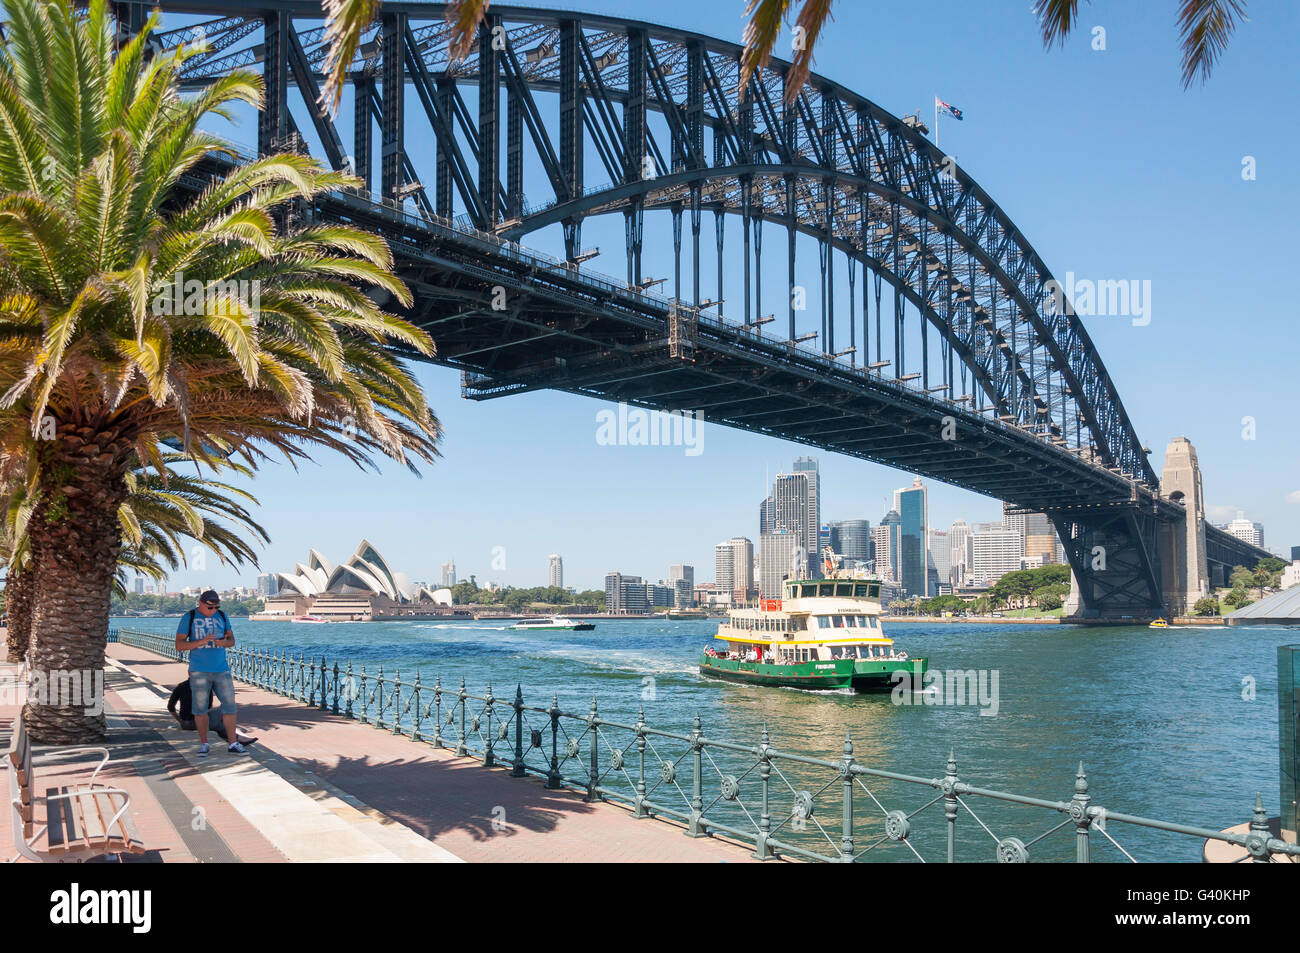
x: 780, y: 802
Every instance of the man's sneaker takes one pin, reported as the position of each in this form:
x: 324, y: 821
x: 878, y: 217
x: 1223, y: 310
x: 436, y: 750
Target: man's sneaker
x: 237, y: 748
x: 204, y: 749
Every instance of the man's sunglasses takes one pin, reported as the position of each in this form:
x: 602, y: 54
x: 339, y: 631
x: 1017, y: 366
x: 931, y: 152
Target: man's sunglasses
x: 210, y: 605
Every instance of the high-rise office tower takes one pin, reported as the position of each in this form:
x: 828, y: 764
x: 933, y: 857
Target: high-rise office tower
x: 733, y: 563
x: 939, y: 560
x: 792, y: 512
x: 809, y: 466
x: 1246, y: 531
x: 995, y: 551
x: 555, y: 571
x: 680, y: 572
x: 448, y: 574
x: 959, y: 547
x: 885, y: 538
x: 780, y: 556
x: 851, y: 538
x: 913, y: 541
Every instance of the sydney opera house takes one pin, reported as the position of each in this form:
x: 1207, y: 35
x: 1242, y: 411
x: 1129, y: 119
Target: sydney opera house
x: 363, y: 588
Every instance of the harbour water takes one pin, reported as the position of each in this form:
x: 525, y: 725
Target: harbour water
x: 1179, y: 725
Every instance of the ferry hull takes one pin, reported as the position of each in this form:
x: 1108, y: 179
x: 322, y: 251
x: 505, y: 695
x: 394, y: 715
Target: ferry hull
x: 861, y: 675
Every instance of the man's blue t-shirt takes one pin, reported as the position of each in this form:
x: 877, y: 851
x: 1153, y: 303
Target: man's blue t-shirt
x: 206, y: 627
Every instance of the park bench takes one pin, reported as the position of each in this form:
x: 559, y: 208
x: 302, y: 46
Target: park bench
x: 81, y: 821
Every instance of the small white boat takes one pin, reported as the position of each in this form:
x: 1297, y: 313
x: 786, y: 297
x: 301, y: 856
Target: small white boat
x: 553, y: 624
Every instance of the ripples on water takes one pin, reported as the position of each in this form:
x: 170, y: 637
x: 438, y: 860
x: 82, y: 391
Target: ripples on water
x: 1157, y: 717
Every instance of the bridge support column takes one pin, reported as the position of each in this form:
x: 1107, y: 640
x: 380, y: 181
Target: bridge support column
x: 1183, y: 564
x: 1113, y: 551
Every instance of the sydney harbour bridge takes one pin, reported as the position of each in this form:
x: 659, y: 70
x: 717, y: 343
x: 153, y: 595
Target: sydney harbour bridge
x: 949, y: 357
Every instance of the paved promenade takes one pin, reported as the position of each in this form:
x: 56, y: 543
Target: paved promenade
x: 317, y: 787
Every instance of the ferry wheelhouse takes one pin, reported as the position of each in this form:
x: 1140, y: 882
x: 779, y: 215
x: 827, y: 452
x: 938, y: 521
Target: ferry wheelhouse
x: 823, y: 634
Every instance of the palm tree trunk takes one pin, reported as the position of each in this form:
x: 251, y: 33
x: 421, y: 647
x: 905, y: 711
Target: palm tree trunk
x: 18, y: 607
x: 75, y: 538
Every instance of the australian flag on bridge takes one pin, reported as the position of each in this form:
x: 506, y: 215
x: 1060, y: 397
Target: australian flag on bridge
x: 951, y: 110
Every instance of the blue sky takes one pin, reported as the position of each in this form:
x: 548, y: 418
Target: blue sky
x: 1109, y: 167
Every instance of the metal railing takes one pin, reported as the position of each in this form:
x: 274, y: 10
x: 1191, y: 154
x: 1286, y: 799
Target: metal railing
x: 780, y: 802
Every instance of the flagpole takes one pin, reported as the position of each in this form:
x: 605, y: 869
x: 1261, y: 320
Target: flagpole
x: 936, y: 123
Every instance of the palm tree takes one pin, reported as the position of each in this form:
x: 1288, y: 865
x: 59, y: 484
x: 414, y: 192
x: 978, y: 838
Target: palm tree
x: 162, y: 512
x: 99, y: 365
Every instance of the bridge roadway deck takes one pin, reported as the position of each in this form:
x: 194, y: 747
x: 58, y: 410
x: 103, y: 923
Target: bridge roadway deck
x: 316, y: 787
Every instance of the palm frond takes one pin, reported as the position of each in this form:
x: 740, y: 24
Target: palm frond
x: 761, y: 33
x: 464, y: 17
x: 1205, y: 27
x: 346, y: 21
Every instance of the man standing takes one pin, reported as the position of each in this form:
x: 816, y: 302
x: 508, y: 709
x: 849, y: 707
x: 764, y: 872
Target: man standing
x: 205, y: 633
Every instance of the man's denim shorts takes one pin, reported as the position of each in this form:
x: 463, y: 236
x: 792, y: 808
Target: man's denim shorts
x: 204, y: 684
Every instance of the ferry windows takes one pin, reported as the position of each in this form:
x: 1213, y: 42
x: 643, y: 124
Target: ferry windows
x: 875, y: 592
x: 808, y: 591
x: 860, y: 590
x: 844, y: 589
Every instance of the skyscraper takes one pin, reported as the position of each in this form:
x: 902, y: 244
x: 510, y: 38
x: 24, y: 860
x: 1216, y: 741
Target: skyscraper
x: 793, y: 507
x: 995, y: 551
x: 1246, y: 531
x: 939, y: 560
x: 779, y: 556
x: 959, y: 543
x: 851, y: 538
x: 555, y: 571
x: 913, y: 542
x: 885, y: 538
x: 448, y: 574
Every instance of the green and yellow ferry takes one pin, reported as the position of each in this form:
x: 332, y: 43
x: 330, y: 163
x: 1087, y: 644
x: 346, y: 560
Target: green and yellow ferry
x: 823, y: 635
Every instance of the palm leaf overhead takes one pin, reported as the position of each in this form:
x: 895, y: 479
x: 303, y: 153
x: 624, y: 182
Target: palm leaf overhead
x: 1205, y: 26
x: 766, y: 18
x: 135, y: 316
x: 346, y: 21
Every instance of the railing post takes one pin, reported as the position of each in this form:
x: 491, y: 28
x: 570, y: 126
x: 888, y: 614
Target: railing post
x: 397, y: 700
x: 334, y: 708
x: 640, y: 810
x: 488, y: 759
x: 949, y: 788
x: 694, y: 829
x: 379, y: 695
x: 1079, y: 814
x: 593, y: 772
x: 437, y: 711
x: 415, y: 730
x: 517, y: 766
x: 1259, y: 833
x: 846, y: 773
x: 347, y: 710
x: 553, y: 774
x: 324, y: 680
x: 363, y: 695
x: 460, y: 742
x: 761, y: 850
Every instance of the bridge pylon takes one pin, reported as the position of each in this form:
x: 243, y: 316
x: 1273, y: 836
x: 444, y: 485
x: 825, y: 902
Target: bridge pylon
x: 1184, y: 566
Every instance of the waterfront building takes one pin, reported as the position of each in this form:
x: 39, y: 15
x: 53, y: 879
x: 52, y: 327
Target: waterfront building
x: 1291, y: 574
x: 362, y: 588
x: 137, y: 584
x: 913, y: 526
x: 449, y: 574
x: 1295, y: 554
x: 1013, y: 518
x: 681, y: 579
x: 995, y: 551
x: 555, y: 571
x: 1247, y: 531
x: 780, y: 555
x: 266, y: 584
x: 659, y: 596
x: 624, y: 593
x: 959, y: 549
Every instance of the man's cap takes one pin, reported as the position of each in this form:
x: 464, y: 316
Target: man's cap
x: 210, y: 596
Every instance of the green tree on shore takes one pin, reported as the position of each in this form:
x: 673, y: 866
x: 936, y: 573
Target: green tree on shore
x: 96, y: 371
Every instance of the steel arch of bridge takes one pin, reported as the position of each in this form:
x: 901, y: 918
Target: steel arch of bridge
x: 832, y: 165
x: 659, y: 109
